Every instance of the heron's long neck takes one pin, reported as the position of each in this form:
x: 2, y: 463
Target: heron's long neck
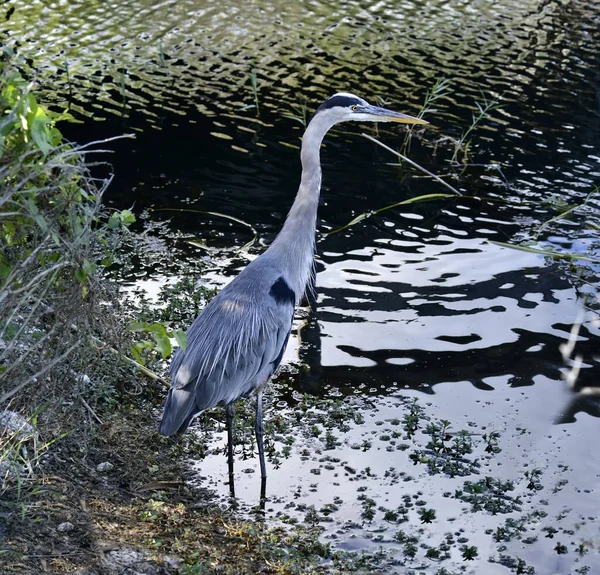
x: 295, y: 245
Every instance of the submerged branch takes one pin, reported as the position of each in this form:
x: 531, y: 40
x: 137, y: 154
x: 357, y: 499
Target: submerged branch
x: 414, y: 164
x: 564, y: 214
x: 558, y: 255
x: 364, y: 215
x: 111, y: 139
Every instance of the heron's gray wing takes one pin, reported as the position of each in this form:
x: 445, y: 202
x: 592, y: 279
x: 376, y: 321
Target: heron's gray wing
x: 233, y: 347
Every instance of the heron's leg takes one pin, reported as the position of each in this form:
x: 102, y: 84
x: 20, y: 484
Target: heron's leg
x: 259, y: 434
x: 229, y: 413
x: 263, y: 493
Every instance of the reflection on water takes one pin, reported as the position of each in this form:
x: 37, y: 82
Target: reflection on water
x: 364, y: 481
x: 412, y: 302
x: 179, y: 55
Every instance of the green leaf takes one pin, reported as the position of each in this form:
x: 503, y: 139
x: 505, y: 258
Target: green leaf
x: 145, y: 327
x: 30, y: 105
x: 41, y: 222
x: 127, y: 217
x: 80, y: 275
x: 7, y: 125
x: 9, y: 231
x: 88, y: 267
x: 117, y: 219
x: 114, y: 221
x: 137, y: 349
x: 163, y: 343
x: 108, y: 261
x: 32, y: 206
x: 181, y: 338
x: 64, y: 115
x: 5, y: 270
x: 54, y: 136
x: 158, y: 329
x: 138, y: 326
x: 136, y: 352
x: 40, y: 132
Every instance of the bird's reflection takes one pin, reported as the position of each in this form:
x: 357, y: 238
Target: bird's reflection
x: 311, y: 369
x: 230, y: 457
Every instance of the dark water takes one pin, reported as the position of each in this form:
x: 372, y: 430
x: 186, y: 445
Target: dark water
x: 415, y: 301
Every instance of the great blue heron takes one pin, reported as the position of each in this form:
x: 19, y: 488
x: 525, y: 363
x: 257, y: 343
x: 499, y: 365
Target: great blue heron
x: 235, y: 345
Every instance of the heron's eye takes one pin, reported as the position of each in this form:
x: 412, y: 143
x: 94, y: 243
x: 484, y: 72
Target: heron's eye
x: 354, y: 108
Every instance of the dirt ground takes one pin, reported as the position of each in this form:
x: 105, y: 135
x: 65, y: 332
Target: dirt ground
x: 112, y: 498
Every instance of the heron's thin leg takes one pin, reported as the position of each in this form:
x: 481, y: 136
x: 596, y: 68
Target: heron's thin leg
x: 229, y: 413
x: 263, y: 493
x: 259, y: 435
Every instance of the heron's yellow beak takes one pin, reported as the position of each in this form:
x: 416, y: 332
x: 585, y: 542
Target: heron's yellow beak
x: 383, y: 115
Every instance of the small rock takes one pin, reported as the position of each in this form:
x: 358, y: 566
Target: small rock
x: 126, y: 556
x: 128, y: 562
x: 104, y: 467
x: 16, y: 424
x: 174, y: 562
x: 65, y: 527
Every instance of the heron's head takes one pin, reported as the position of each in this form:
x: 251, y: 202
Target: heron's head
x: 345, y: 107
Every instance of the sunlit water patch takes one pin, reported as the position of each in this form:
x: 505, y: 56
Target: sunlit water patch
x: 452, y: 480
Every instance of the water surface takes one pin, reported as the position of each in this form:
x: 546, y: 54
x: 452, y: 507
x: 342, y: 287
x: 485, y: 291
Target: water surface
x: 413, y: 302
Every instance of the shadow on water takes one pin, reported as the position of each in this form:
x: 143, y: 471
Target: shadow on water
x: 415, y: 302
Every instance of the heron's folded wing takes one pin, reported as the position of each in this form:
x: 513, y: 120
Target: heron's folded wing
x: 233, y: 347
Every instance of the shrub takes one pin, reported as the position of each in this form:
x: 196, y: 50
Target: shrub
x: 56, y: 240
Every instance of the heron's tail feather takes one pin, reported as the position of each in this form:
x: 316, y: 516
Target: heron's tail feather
x: 180, y: 408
